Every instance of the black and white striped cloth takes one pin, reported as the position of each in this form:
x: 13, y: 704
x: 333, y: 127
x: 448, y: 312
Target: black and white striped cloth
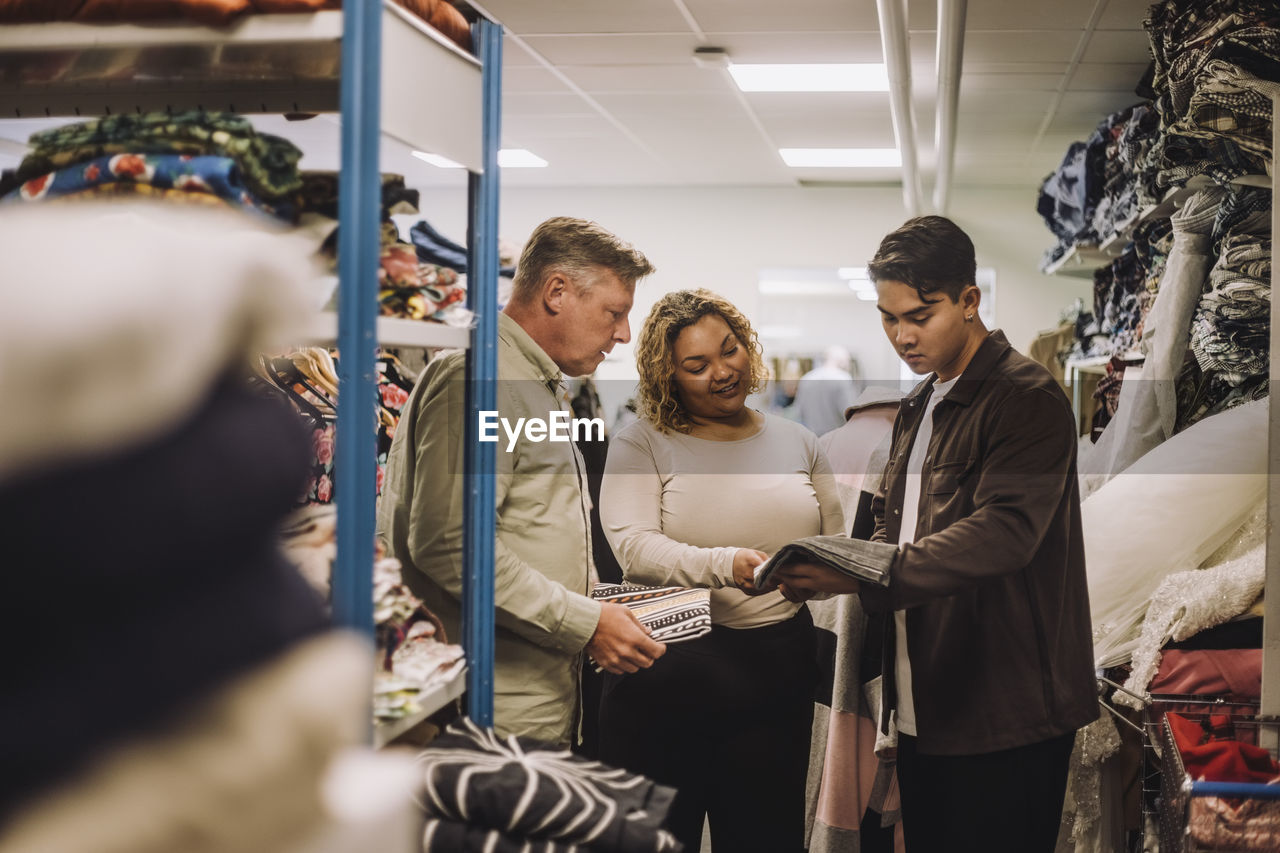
x: 509, y: 794
x: 671, y: 613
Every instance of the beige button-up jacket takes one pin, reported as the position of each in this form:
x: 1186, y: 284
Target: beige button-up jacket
x: 542, y: 554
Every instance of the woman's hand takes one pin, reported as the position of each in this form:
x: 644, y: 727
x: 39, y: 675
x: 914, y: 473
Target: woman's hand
x: 745, y: 561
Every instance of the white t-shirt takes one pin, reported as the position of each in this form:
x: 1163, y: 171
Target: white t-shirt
x: 910, y: 516
x: 676, y: 509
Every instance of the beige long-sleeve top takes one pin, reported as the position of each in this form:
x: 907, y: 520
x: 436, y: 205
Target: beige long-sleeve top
x: 676, y: 508
x: 542, y: 557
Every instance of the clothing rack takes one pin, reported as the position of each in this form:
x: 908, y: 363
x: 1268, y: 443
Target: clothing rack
x: 372, y: 58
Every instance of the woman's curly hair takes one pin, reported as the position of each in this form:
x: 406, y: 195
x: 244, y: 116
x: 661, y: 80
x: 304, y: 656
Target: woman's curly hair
x: 658, y: 399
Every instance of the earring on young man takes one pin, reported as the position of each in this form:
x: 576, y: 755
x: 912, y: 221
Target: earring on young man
x: 968, y: 318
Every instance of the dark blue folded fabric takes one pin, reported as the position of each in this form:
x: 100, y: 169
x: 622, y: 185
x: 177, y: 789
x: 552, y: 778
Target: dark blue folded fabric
x: 434, y: 248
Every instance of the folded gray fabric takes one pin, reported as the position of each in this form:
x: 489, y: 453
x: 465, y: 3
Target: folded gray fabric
x: 859, y: 559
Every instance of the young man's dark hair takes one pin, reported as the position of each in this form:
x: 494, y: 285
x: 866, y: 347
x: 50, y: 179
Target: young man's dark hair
x: 930, y: 253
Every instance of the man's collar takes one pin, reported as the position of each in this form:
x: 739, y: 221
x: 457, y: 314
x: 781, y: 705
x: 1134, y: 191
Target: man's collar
x: 990, y: 351
x: 514, y: 334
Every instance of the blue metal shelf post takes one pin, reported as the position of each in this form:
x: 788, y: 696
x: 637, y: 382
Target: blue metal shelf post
x: 359, y: 206
x: 482, y: 375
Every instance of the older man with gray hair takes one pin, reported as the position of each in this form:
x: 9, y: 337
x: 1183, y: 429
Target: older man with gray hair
x: 573, y: 290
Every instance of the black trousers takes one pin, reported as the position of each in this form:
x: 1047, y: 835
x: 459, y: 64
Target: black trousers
x: 997, y: 802
x: 725, y: 719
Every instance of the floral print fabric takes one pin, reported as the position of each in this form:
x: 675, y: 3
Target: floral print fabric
x: 211, y: 175
x: 268, y: 164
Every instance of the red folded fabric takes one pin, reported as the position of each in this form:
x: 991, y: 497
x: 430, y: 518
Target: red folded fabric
x: 1208, y: 756
x: 1225, y: 672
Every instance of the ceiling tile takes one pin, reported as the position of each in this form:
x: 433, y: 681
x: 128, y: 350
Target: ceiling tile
x: 1113, y: 76
x: 1124, y: 15
x: 792, y: 16
x: 1025, y: 46
x: 974, y: 82
x: 587, y: 16
x: 1020, y: 15
x: 1099, y: 104
x: 552, y: 127
x: 800, y: 47
x: 685, y: 107
x: 544, y: 103
x: 1118, y: 46
x: 668, y: 49
x: 524, y: 78
x: 684, y: 77
x: 983, y: 102
x: 797, y: 105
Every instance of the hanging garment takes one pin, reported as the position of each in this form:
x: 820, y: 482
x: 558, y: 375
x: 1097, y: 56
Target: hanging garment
x: 852, y: 793
x: 1146, y: 411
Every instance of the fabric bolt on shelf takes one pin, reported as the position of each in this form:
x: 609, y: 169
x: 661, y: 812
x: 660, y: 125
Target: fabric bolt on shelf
x: 268, y: 163
x: 524, y: 788
x: 861, y: 560
x: 1147, y: 410
x: 212, y: 175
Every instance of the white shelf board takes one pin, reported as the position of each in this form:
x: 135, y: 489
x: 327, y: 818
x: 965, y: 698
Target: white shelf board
x: 259, y: 64
x: 394, y: 332
x: 1079, y: 262
x: 431, y: 701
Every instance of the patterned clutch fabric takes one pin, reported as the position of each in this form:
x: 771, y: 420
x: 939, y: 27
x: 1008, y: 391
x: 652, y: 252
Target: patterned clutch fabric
x: 671, y: 613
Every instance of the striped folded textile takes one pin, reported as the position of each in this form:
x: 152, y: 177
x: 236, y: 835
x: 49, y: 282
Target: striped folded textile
x: 671, y: 613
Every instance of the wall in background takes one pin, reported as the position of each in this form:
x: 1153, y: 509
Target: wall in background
x: 721, y: 238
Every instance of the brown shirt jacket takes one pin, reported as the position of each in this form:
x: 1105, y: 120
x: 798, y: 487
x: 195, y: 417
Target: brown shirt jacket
x: 994, y: 584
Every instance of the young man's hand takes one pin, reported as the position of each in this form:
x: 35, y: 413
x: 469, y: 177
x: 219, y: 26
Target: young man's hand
x: 814, y: 578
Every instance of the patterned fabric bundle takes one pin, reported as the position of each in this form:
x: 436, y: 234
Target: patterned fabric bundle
x: 268, y: 164
x: 214, y: 176
x: 491, y: 793
x: 1231, y: 335
x: 671, y: 613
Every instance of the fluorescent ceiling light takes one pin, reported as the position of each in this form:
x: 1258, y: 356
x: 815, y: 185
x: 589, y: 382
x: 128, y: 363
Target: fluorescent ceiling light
x: 841, y: 158
x: 436, y: 160
x: 867, y: 295
x: 858, y: 273
x: 828, y: 77
x: 508, y: 158
x: 519, y: 158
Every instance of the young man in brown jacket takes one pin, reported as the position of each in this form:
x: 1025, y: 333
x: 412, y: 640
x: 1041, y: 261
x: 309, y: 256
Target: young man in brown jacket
x: 988, y: 661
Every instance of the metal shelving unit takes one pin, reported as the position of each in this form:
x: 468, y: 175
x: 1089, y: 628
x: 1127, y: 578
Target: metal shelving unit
x: 367, y: 62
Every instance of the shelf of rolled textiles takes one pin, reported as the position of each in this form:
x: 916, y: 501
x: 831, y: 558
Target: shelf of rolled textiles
x: 394, y: 332
x: 1083, y: 260
x: 265, y: 63
x: 429, y: 703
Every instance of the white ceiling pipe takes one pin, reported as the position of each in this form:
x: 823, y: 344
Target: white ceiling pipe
x: 951, y: 14
x: 897, y: 60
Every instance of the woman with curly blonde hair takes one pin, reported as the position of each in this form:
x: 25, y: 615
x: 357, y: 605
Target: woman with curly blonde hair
x: 697, y: 493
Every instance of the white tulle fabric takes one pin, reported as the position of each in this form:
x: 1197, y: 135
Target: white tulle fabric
x: 1189, y: 602
x: 1167, y: 513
